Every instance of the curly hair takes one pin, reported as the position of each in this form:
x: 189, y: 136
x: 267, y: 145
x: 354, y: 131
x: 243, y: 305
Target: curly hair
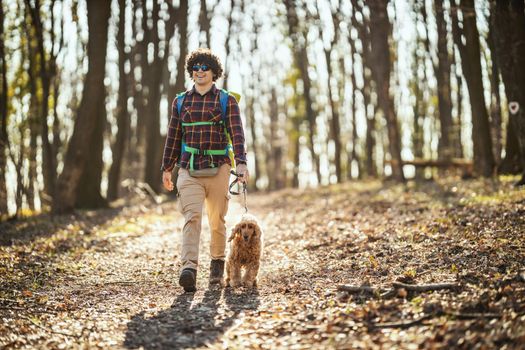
x: 204, y: 56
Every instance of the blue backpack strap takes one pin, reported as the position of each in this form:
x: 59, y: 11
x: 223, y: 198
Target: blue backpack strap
x: 224, y: 95
x: 180, y: 100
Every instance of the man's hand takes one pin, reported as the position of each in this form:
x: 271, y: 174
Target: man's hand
x: 242, y: 171
x: 166, y: 180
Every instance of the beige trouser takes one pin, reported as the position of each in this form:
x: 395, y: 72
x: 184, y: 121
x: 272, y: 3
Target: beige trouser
x: 193, y: 192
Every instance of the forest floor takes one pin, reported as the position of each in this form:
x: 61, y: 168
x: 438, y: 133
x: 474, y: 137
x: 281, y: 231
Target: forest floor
x: 108, y: 278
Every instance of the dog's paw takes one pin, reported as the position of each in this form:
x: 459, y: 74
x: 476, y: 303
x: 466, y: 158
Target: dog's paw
x: 249, y: 284
x: 235, y: 283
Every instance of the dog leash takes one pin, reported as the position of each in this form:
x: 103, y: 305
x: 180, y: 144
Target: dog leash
x: 234, y: 182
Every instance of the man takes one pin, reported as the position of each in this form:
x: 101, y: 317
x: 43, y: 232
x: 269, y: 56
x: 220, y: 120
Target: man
x: 203, y: 177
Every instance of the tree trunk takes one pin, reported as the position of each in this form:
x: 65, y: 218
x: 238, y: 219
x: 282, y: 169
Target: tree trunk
x: 153, y: 146
x: 352, y: 155
x: 370, y: 139
x: 275, y: 171
x: 301, y: 58
x: 123, y: 121
x: 294, y: 139
x: 19, y: 192
x: 142, y: 94
x: 250, y: 118
x: 56, y: 83
x: 495, y: 101
x: 48, y: 158
x: 33, y: 116
x: 335, y: 128
x: 511, y: 164
x: 205, y: 25
x: 93, y: 97
x: 420, y: 85
x: 134, y: 151
x: 182, y: 20
x: 250, y: 105
x: 227, y: 44
x: 3, y: 115
x: 419, y: 115
x: 366, y: 91
x: 380, y: 30
x: 508, y: 23
x: 471, y: 65
x: 88, y: 191
x: 442, y: 72
x: 458, y: 147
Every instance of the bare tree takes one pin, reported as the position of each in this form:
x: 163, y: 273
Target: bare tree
x: 153, y: 81
x: 123, y: 121
x: 442, y: 71
x: 335, y: 128
x: 366, y: 91
x: 33, y: 115
x: 228, y: 42
x: 182, y: 25
x: 380, y: 28
x: 458, y: 149
x: 93, y: 97
x: 275, y: 161
x: 495, y: 98
x: 420, y: 107
x: 352, y: 154
x: 471, y: 66
x: 3, y: 111
x: 301, y: 60
x: 508, y: 24
x: 205, y: 23
x: 47, y: 70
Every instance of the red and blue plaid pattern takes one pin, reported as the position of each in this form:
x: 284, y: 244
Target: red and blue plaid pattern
x: 199, y: 108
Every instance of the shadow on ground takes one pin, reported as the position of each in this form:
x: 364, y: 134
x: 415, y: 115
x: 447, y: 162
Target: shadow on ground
x: 187, y: 325
x: 25, y: 230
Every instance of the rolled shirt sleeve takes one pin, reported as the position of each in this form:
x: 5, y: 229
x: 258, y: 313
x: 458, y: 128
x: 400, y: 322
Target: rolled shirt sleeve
x: 172, y: 147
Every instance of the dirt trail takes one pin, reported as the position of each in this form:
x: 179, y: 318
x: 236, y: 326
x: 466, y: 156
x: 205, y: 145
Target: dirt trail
x: 108, y: 279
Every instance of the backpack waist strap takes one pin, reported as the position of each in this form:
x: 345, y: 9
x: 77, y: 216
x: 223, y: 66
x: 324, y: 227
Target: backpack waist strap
x: 206, y: 152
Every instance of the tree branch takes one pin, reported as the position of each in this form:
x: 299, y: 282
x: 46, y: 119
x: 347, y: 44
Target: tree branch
x: 425, y: 287
x: 356, y: 289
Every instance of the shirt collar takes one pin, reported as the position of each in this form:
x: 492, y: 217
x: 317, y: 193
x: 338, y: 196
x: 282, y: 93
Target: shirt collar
x: 213, y: 90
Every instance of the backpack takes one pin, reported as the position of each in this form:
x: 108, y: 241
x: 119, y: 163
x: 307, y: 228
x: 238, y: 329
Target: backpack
x: 223, y: 98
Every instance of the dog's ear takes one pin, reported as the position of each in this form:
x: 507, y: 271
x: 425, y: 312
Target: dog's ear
x: 235, y: 230
x: 258, y: 230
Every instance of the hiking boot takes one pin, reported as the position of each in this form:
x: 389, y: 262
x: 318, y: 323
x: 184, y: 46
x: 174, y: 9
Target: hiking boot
x: 216, y: 271
x: 187, y: 279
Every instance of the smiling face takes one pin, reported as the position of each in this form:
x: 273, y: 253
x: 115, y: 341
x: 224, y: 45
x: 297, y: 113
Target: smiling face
x: 202, y: 75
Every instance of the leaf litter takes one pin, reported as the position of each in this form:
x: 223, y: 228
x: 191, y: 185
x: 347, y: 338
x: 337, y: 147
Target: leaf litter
x: 346, y: 266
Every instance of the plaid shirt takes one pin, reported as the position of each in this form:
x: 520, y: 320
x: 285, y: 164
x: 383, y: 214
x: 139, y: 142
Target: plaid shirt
x: 198, y: 108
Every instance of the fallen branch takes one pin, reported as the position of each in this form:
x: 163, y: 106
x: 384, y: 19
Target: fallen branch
x: 389, y: 294
x: 50, y: 330
x: 9, y: 300
x: 396, y: 285
x: 402, y: 324
x: 469, y: 316
x: 356, y: 289
x: 425, y: 287
x: 10, y: 308
x: 458, y: 315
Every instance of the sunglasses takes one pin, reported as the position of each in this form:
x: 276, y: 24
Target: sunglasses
x: 204, y: 68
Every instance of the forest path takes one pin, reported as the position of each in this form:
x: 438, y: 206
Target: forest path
x: 108, y: 278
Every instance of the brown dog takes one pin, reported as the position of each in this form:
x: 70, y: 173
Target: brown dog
x: 245, y: 253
